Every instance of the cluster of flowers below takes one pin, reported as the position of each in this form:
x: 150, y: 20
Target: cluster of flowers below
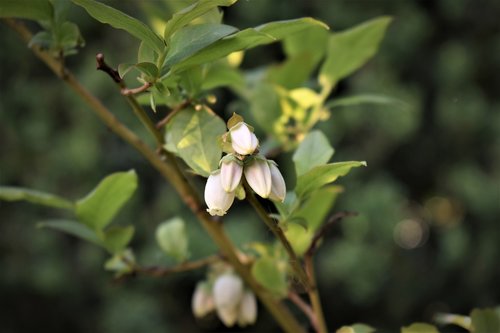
x: 262, y: 175
x: 228, y: 297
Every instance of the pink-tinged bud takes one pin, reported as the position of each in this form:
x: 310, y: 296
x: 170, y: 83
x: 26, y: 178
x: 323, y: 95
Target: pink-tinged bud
x: 248, y: 310
x: 202, y: 302
x: 227, y: 293
x: 258, y: 176
x: 217, y: 200
x: 278, y: 186
x: 243, y: 140
x: 231, y: 170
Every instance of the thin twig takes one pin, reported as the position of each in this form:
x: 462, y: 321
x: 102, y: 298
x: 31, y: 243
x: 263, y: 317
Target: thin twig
x: 135, y: 91
x: 305, y: 308
x: 172, y: 113
x: 172, y: 174
x: 278, y: 232
x: 103, y: 66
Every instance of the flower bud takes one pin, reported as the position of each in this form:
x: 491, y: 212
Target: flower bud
x: 231, y: 170
x: 202, y: 302
x: 217, y: 200
x: 228, y: 291
x: 247, y: 314
x: 243, y: 140
x: 278, y: 187
x: 258, y: 176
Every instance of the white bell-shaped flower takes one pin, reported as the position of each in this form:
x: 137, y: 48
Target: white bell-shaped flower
x: 278, y: 186
x: 258, y: 176
x: 227, y: 293
x: 202, y: 302
x: 243, y: 140
x: 247, y: 314
x: 231, y: 170
x: 217, y: 200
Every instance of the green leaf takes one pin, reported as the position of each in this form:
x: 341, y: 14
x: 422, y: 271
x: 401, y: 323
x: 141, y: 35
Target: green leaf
x: 293, y: 72
x: 366, y: 99
x: 265, y: 106
x: 10, y: 193
x: 191, y: 39
x: 453, y: 319
x: 149, y: 70
x: 221, y: 75
x: 248, y: 38
x: 314, y: 150
x: 74, y: 228
x: 146, y: 53
x: 322, y: 175
x: 188, y: 14
x: 419, y: 328
x: 349, y: 50
x: 172, y: 238
x: 98, y: 208
x: 485, y: 320
x: 27, y: 9
x: 120, y: 20
x: 121, y: 263
x: 317, y: 206
x: 299, y: 237
x: 311, y: 41
x: 267, y: 273
x: 356, y: 328
x: 116, y: 238
x: 193, y: 136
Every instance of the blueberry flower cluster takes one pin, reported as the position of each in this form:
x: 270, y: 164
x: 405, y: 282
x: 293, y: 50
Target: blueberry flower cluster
x: 228, y: 297
x: 242, y: 160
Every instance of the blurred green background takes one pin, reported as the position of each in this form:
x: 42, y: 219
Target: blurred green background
x: 427, y: 237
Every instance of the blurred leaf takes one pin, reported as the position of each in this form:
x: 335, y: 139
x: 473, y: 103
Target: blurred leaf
x: 322, y: 175
x: 27, y: 9
x: 10, y: 193
x: 314, y: 150
x: 248, y: 38
x: 305, y: 97
x: 266, y: 272
x: 43, y: 39
x: 221, y: 75
x: 98, y: 208
x: 311, y: 41
x: 121, y: 263
x: 356, y: 328
x: 189, y: 40
x: 172, y: 238
x: 449, y: 318
x: 315, y: 209
x: 188, y: 14
x: 147, y: 68
x: 419, y: 328
x: 299, y: 237
x: 293, y: 72
x: 70, y: 37
x: 116, y: 238
x: 265, y: 106
x: 74, y: 228
x: 350, y: 49
x: 485, y: 320
x: 145, y: 53
x: 365, y: 99
x: 193, y: 136
x: 120, y: 20
x: 191, y: 80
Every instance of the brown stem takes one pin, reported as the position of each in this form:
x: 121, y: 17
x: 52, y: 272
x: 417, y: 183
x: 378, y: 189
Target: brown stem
x: 314, y: 297
x: 276, y: 230
x: 306, y: 308
x: 172, y: 174
x: 156, y: 271
x: 172, y: 113
x: 135, y: 91
x: 103, y: 66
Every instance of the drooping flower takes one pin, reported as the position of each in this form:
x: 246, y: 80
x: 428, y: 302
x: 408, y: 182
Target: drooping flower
x: 217, y: 200
x: 227, y: 293
x: 247, y: 314
x: 258, y: 176
x: 202, y: 302
x: 243, y: 140
x: 231, y: 170
x: 278, y: 186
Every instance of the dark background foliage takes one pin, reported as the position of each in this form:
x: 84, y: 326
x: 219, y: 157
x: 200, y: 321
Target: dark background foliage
x: 426, y: 239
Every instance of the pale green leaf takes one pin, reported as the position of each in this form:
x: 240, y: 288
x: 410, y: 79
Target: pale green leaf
x: 366, y: 99
x: 120, y: 20
x: 485, y: 320
x: 314, y: 150
x: 266, y: 271
x: 356, y: 328
x: 315, y: 209
x: 191, y: 39
x: 172, y: 238
x: 322, y: 175
x: 248, y: 38
x: 193, y: 136
x: 349, y: 50
x: 27, y: 9
x: 188, y: 14
x: 73, y: 228
x: 419, y: 328
x: 299, y: 237
x: 265, y: 106
x: 453, y: 319
x: 10, y: 193
x: 311, y: 41
x: 98, y: 208
x: 116, y: 238
x: 221, y: 75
